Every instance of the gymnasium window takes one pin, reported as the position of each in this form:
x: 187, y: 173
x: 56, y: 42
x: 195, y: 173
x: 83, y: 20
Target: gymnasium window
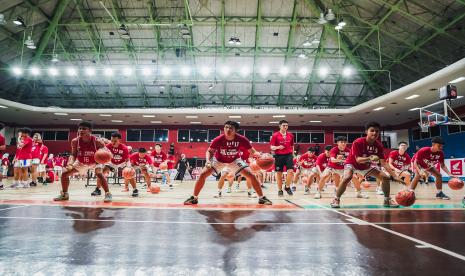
x: 318, y: 138
x: 309, y: 137
x: 417, y: 134
x: 183, y: 135
x: 199, y: 135
x: 53, y: 135
x: 252, y: 135
x: 303, y: 137
x: 264, y: 136
x: 455, y: 128
x: 213, y: 133
x: 104, y: 133
x: 147, y: 135
x: 350, y: 136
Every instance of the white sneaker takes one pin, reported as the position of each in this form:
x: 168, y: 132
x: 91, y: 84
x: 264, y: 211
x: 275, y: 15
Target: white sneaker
x: 307, y: 191
x: 228, y: 190
x: 379, y: 191
x: 362, y: 195
x: 251, y: 195
x: 317, y: 196
x: 237, y: 186
x: 217, y: 195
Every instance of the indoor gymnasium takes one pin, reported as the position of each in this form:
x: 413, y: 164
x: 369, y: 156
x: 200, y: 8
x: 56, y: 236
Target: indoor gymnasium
x: 232, y: 137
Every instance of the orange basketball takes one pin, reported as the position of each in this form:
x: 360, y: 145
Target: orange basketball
x: 366, y: 184
x: 265, y: 161
x: 103, y: 156
x: 155, y: 189
x: 163, y: 166
x: 128, y: 173
x: 455, y: 183
x: 254, y: 167
x: 405, y: 198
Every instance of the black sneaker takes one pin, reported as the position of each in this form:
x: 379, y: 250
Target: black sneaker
x: 1, y: 186
x: 288, y: 190
x: 280, y: 193
x: 442, y: 195
x: 96, y: 192
x: 32, y: 184
x: 264, y: 201
x: 191, y: 201
x: 40, y: 179
x: 135, y: 193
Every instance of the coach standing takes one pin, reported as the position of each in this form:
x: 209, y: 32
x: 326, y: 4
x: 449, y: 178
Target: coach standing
x: 282, y: 143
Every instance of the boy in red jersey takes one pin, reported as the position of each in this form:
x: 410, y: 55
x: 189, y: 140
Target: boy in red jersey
x: 282, y: 144
x: 400, y: 162
x: 141, y: 160
x: 363, y: 151
x: 160, y: 157
x: 81, y: 160
x: 23, y: 159
x: 425, y: 162
x: 119, y: 160
x: 226, y: 150
x: 39, y: 155
x: 307, y: 163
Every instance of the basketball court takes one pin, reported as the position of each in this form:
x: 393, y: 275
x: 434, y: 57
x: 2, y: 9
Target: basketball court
x: 173, y: 89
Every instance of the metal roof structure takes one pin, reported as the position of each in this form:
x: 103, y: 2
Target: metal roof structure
x: 184, y: 53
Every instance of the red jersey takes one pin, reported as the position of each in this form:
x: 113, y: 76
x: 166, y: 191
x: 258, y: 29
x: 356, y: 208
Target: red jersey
x: 86, y: 150
x: 136, y: 160
x: 400, y: 162
x: 322, y: 161
x: 2, y: 140
x: 5, y: 161
x: 334, y: 153
x: 307, y: 161
x: 50, y: 163
x: 245, y: 155
x: 43, y: 154
x: 24, y: 152
x: 286, y: 140
x: 120, y: 153
x: 158, y: 158
x: 35, y: 151
x: 171, y: 161
x: 226, y: 151
x: 361, y: 148
x: 426, y: 158
x: 58, y: 161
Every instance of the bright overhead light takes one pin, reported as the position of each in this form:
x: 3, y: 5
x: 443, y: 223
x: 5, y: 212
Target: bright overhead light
x: 146, y: 71
x: 342, y: 23
x: 302, y: 55
x: 2, y: 106
x: 457, y: 80
x: 55, y: 58
x: 60, y: 114
x: 224, y: 70
x: 274, y: 122
x: 148, y: 116
x: 413, y: 109
x: 338, y: 27
x: 52, y: 71
x: 196, y: 123
x: 70, y: 71
x: 303, y: 71
x: 264, y: 71
x: 185, y: 71
x: 316, y: 121
x: 235, y: 116
x: 322, y: 19
x: 2, y: 19
x: 35, y: 71
x: 307, y: 43
x: 330, y: 15
x: 105, y: 115
x: 378, y: 108
x: 323, y: 72
x: 459, y: 97
x: 108, y: 71
x: 279, y: 116
x: 192, y: 116
x: 284, y: 71
x: 245, y: 71
x: 75, y: 119
x: 19, y: 21
x: 315, y: 40
x: 155, y: 122
x: 116, y: 121
x: 165, y: 71
x: 127, y: 71
x: 17, y: 71
x: 347, y: 71
x: 412, y: 97
x: 205, y: 71
x: 89, y: 71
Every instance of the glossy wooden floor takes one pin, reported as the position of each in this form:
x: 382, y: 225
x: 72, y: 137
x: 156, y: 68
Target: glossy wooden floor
x: 156, y: 235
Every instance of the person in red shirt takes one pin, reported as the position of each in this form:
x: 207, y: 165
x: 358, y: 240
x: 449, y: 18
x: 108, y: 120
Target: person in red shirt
x: 282, y: 143
x: 308, y: 164
x: 322, y: 160
x: 400, y: 162
x: 159, y: 158
x: 119, y: 160
x: 23, y: 158
x: 365, y: 150
x: 425, y: 162
x: 141, y: 160
x: 81, y: 159
x: 297, y: 172
x: 4, y: 168
x: 224, y: 152
x: 37, y: 156
x: 3, y: 173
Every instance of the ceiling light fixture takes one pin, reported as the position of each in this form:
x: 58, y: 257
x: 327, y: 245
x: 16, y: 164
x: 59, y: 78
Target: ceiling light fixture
x: 148, y: 116
x: 35, y: 71
x: 165, y: 71
x: 155, y: 122
x: 235, y: 116
x: 116, y: 121
x: 17, y: 71
x: 330, y: 15
x: 307, y: 43
x: 127, y: 71
x: 322, y: 19
x: 146, y: 71
x: 105, y: 115
x: 274, y: 122
x: 342, y: 23
x: 30, y: 43
x: 2, y: 19
x: 192, y: 116
x: 302, y: 55
x: 70, y: 71
x: 316, y: 121
x: 338, y: 28
x: 279, y: 116
x: 19, y: 21
x: 379, y: 108
x: 196, y: 123
x: 108, y: 71
x: 89, y: 71
x: 413, y: 109
x: 347, y: 72
x: 55, y: 58
x: 412, y: 97
x: 457, y: 80
x: 234, y: 41
x: 284, y: 71
x: 323, y: 72
x: 2, y: 106
x: 60, y: 114
x: 75, y: 119
x: 303, y: 71
x: 52, y: 71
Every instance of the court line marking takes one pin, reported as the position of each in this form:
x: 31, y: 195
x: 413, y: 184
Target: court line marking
x: 426, y: 244
x: 14, y: 207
